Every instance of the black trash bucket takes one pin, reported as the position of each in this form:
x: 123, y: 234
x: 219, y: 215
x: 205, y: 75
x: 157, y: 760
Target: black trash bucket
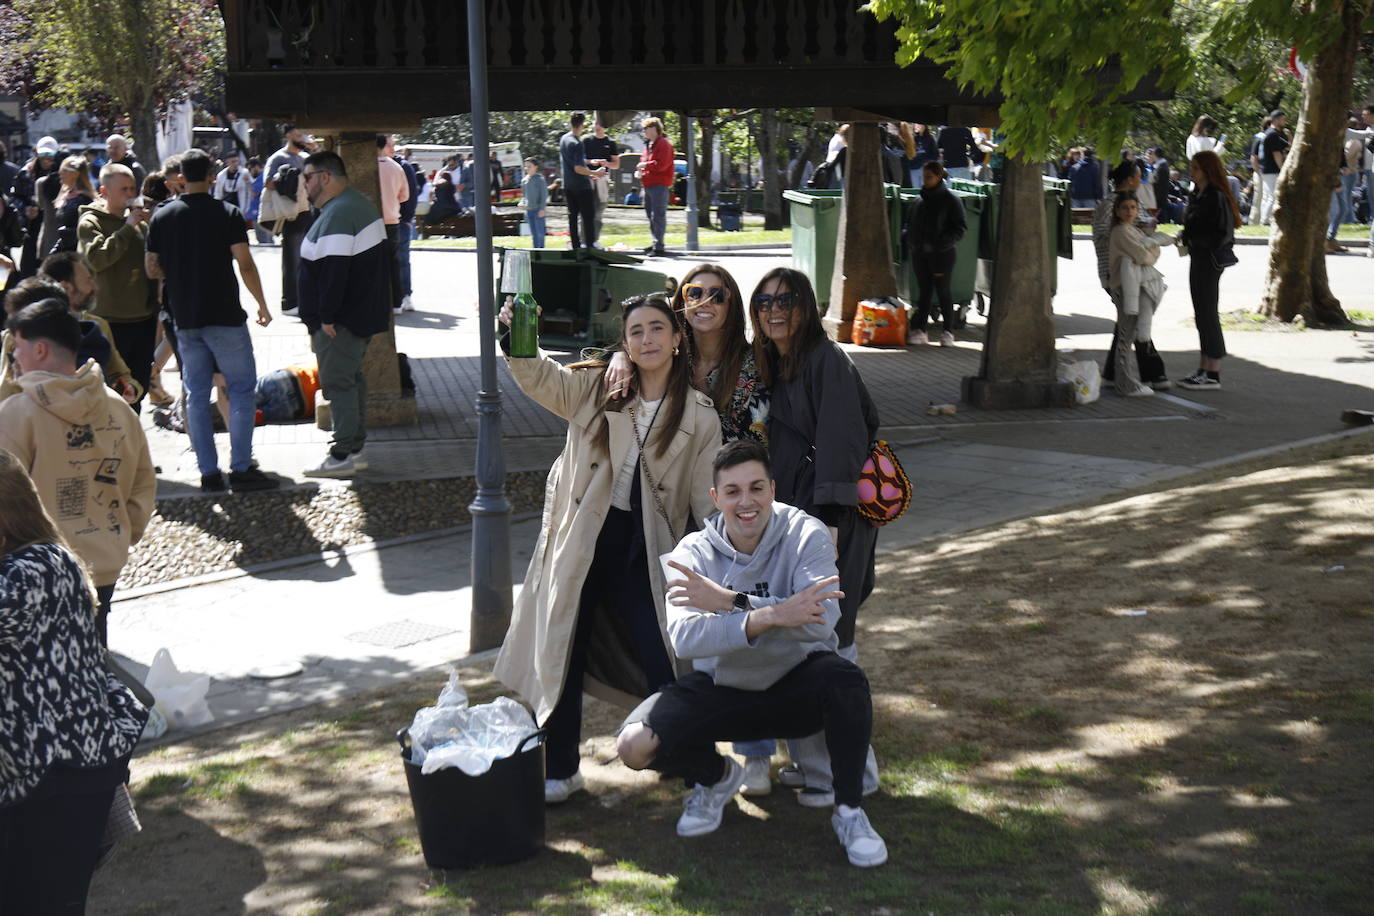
x: 493, y: 819
x: 729, y: 218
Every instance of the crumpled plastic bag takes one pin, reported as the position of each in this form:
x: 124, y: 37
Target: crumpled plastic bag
x: 1086, y: 377
x: 472, y: 738
x: 179, y: 697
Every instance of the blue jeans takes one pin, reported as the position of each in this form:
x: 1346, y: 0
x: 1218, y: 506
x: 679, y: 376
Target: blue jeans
x: 403, y: 240
x: 537, y: 226
x: 1334, y: 214
x: 231, y: 349
x: 656, y: 205
x: 1348, y: 197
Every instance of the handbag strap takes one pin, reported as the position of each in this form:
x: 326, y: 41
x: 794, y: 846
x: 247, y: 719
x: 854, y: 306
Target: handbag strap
x: 648, y: 475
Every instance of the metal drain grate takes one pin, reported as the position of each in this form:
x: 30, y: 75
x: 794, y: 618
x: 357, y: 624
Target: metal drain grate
x: 400, y: 633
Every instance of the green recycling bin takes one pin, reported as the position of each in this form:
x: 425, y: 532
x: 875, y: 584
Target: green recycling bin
x: 815, y: 217
x: 965, y: 257
x: 580, y: 293
x: 1058, y: 227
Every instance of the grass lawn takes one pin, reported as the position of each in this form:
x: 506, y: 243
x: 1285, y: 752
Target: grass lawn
x: 1351, y: 231
x: 1158, y: 705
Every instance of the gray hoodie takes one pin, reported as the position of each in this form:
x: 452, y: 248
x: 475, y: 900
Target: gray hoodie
x: 795, y: 553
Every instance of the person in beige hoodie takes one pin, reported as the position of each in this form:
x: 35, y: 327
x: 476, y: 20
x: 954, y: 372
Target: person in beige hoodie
x: 81, y: 444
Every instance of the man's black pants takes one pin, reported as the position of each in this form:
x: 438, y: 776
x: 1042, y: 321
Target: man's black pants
x: 824, y: 692
x: 581, y: 205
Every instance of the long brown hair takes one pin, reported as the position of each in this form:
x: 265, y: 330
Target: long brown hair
x: 732, y: 352
x: 1209, y: 164
x: 679, y: 379
x: 78, y: 165
x: 805, y: 335
x: 23, y: 520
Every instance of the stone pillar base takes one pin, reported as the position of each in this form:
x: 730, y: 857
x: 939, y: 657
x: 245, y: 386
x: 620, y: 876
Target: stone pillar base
x: 1017, y: 394
x: 837, y: 329
x: 381, y: 412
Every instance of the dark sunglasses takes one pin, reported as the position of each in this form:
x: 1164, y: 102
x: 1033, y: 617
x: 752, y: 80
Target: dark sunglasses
x: 782, y: 301
x: 695, y: 293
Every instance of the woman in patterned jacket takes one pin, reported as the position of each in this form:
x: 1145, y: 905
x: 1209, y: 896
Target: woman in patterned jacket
x: 67, y: 725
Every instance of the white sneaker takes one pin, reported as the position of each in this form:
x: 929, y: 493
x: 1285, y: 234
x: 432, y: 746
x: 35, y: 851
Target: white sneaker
x: 407, y: 305
x: 557, y: 791
x: 917, y: 339
x: 946, y: 339
x: 359, y: 460
x: 860, y: 841
x: 335, y: 468
x: 702, y: 810
x: 756, y: 777
x: 1141, y: 391
x: 397, y: 310
x: 291, y: 312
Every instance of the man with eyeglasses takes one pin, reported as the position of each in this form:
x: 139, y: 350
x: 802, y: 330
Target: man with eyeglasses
x: 345, y: 298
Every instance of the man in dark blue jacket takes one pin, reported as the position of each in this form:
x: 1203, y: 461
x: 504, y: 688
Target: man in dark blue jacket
x: 345, y: 298
x: 1085, y: 181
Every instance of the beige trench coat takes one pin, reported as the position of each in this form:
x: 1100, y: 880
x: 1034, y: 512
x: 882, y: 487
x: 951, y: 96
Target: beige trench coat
x: 534, y: 657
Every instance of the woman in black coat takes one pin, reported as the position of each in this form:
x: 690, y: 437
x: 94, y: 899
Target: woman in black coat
x: 821, y: 424
x: 933, y: 229
x: 1209, y: 225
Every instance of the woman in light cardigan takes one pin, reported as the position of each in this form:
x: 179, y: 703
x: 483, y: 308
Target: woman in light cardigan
x: 1131, y: 272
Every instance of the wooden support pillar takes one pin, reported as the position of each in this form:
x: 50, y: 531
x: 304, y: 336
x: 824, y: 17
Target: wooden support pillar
x: 1019, y: 359
x: 387, y: 405
x: 863, y: 252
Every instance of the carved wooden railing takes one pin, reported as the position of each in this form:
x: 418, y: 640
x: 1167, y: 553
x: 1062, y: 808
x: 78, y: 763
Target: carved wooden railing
x: 267, y: 35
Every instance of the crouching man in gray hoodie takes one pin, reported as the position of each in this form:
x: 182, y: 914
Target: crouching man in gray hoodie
x: 755, y: 610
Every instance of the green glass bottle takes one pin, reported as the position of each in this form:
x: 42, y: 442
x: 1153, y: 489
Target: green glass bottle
x: 524, y: 327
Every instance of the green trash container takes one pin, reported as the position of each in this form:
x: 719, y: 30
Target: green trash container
x: 962, y: 285
x: 815, y: 216
x: 1058, y: 227
x: 580, y: 293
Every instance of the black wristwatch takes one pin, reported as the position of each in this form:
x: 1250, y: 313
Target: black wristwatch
x: 742, y: 601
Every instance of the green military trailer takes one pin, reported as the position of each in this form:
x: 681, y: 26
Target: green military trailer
x: 580, y: 292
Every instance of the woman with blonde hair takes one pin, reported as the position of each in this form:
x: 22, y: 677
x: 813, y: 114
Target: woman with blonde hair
x: 634, y: 475
x: 76, y: 191
x: 67, y: 725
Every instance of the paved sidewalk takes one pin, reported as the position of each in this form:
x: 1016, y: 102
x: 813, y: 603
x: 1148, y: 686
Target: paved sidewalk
x: 368, y: 616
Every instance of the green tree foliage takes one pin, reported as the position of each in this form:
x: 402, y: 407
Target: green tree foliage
x: 114, y: 58
x: 1060, y: 66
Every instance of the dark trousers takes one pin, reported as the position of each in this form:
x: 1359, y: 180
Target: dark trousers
x: 581, y: 205
x: 1146, y: 357
x: 104, y: 594
x: 50, y: 841
x: 1204, y: 282
x: 823, y: 693
x: 136, y: 341
x: 933, y: 273
x: 617, y: 583
x: 293, y: 233
x: 393, y: 241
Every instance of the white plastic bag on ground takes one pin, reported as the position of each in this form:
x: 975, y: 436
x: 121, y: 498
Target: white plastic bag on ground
x: 179, y: 697
x: 471, y: 738
x: 1086, y: 378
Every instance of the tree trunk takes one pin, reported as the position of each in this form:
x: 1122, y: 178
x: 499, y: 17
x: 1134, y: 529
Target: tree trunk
x: 767, y: 139
x: 1297, y: 282
x: 705, y: 157
x: 1019, y: 359
x: 863, y: 253
x: 143, y: 124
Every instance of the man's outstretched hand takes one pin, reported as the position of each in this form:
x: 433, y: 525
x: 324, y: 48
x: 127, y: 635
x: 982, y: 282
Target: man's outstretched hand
x: 802, y: 609
x: 698, y: 591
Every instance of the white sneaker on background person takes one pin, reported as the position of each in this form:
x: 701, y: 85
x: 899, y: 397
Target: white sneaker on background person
x: 702, y: 810
x: 407, y: 305
x: 557, y: 791
x: 860, y: 841
x: 756, y: 776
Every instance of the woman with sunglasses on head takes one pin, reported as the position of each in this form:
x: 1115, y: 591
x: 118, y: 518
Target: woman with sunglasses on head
x: 821, y: 425
x: 67, y: 725
x: 75, y: 193
x: 634, y: 472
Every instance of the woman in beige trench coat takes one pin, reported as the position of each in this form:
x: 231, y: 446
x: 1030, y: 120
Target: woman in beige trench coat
x: 591, y: 614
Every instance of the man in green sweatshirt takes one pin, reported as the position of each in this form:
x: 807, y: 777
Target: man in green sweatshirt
x: 110, y: 234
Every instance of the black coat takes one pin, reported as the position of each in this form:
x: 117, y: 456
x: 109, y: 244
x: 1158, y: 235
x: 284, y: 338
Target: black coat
x: 1207, y: 221
x: 820, y: 427
x: 935, y: 222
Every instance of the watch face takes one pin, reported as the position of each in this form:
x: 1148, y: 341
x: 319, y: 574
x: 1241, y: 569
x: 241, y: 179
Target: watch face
x: 741, y: 600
